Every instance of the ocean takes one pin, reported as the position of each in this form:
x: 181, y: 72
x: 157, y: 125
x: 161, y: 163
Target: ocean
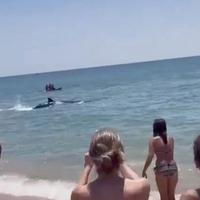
x: 43, y: 149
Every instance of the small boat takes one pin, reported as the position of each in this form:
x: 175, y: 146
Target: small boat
x: 53, y: 89
x: 50, y: 87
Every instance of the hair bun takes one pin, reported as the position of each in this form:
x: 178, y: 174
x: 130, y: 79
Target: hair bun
x: 106, y: 150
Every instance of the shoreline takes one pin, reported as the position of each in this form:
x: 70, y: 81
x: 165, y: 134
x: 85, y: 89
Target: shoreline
x: 21, y: 187
x: 11, y: 197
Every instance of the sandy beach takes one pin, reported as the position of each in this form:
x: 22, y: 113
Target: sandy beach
x: 21, y: 188
x: 10, y: 197
x: 154, y: 195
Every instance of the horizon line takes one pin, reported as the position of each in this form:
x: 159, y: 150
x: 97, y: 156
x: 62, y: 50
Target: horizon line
x: 98, y: 66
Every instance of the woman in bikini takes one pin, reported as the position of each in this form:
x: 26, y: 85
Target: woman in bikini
x: 115, y: 180
x: 166, y: 172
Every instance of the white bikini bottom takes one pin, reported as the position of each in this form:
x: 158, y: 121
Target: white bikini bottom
x: 166, y: 168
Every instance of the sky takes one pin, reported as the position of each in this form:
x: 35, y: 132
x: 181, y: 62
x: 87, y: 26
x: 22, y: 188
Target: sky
x: 50, y: 35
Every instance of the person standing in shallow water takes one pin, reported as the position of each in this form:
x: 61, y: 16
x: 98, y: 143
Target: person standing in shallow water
x: 194, y: 194
x: 115, y: 180
x: 166, y: 172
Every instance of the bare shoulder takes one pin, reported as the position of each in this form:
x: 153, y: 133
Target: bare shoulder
x: 191, y: 195
x: 156, y: 138
x: 137, y: 189
x: 170, y: 138
x: 80, y: 192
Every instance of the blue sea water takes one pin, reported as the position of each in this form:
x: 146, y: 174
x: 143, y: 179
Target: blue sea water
x: 49, y: 144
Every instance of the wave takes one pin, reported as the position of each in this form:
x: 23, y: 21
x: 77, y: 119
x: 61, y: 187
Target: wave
x: 59, y: 102
x: 20, y: 107
x: 22, y: 186
x: 57, y: 190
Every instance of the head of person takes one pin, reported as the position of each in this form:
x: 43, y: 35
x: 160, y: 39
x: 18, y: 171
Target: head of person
x: 196, y: 148
x: 160, y: 129
x: 106, y: 150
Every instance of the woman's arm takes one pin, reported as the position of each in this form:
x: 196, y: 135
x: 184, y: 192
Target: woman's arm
x: 190, y: 195
x: 127, y: 172
x: 83, y: 179
x: 148, y: 159
x: 86, y: 171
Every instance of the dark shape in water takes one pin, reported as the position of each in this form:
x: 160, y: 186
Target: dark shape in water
x: 50, y: 103
x: 50, y: 87
x: 60, y: 88
x: 71, y: 101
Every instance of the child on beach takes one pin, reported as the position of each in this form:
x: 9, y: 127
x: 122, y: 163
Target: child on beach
x: 194, y: 194
x: 106, y: 154
x: 166, y: 172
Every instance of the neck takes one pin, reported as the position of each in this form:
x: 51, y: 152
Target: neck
x: 103, y: 175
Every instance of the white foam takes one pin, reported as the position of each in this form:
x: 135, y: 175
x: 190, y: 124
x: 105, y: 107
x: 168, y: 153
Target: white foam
x: 20, y: 107
x: 59, y: 102
x: 56, y: 190
x: 23, y: 186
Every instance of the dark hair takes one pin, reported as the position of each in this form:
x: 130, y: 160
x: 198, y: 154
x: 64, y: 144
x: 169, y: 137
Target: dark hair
x: 106, y: 150
x: 196, y: 149
x: 160, y: 129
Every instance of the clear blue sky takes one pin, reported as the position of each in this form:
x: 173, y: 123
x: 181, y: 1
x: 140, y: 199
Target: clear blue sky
x: 49, y: 35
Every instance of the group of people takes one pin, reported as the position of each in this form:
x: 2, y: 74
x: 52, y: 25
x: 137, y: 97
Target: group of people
x: 49, y: 87
x: 117, y: 181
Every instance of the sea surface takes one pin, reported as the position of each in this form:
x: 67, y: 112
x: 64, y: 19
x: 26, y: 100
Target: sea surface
x: 43, y: 149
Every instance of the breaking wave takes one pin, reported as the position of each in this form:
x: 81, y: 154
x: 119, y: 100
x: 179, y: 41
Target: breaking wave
x: 23, y: 186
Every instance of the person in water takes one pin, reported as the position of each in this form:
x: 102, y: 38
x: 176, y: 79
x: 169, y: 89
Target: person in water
x: 194, y: 194
x: 49, y: 87
x: 115, y: 180
x: 166, y: 172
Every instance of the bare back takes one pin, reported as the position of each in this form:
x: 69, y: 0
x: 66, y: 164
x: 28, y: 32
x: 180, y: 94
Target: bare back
x: 164, y: 152
x: 115, y: 188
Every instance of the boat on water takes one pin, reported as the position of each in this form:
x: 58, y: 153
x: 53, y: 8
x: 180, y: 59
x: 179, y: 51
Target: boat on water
x: 50, y: 87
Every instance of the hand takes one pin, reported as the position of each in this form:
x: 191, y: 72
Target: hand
x: 144, y: 174
x: 88, y: 160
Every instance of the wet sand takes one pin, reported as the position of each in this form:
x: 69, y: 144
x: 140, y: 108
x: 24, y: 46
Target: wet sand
x: 10, y: 197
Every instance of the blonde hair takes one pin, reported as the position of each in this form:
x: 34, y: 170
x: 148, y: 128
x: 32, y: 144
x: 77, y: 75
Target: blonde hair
x: 106, y: 150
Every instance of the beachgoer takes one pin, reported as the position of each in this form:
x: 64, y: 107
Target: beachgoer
x: 194, y: 194
x: 46, y: 87
x: 166, y: 172
x: 51, y: 87
x: 115, y: 180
